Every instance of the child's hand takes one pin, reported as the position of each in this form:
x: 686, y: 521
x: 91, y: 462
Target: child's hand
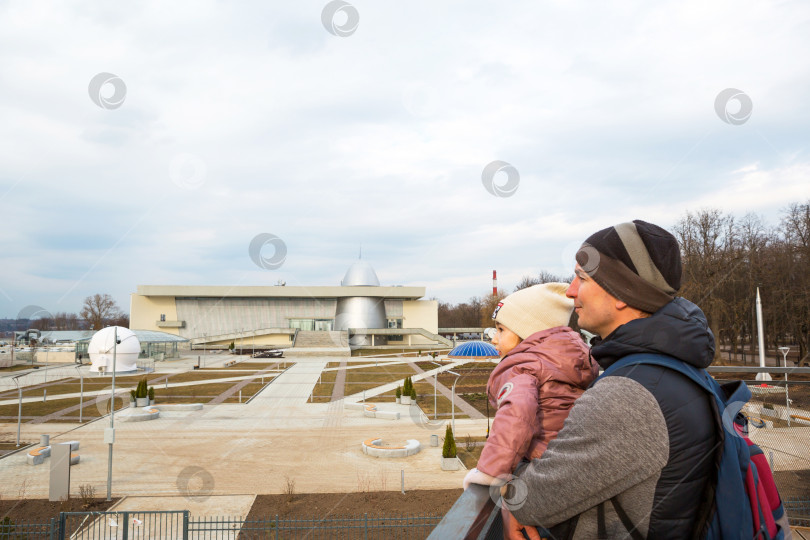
x: 477, y: 477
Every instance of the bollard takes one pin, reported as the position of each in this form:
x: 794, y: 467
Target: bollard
x: 403, y: 480
x: 45, y: 395
x: 44, y: 440
x: 240, y: 396
x: 771, y: 454
x: 434, y: 440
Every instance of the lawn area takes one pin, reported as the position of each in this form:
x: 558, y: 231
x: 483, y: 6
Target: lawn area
x: 473, y: 378
x: 322, y: 393
x: 256, y: 366
x: 424, y: 393
x: 428, y: 365
x: 19, y: 367
x: 35, y: 409
x: 198, y: 393
x: 203, y: 393
x: 367, y: 378
x: 468, y: 449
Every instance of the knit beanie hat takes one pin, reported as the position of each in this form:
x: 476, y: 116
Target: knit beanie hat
x: 535, y: 308
x: 637, y: 262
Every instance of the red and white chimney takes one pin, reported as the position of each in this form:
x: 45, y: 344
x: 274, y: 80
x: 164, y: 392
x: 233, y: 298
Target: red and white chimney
x: 494, y: 283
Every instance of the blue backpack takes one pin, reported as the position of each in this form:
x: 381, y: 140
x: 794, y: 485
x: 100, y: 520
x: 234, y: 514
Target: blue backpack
x: 742, y: 508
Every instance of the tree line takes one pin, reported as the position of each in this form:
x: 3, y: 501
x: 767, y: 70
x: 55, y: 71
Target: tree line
x: 98, y: 311
x: 725, y: 259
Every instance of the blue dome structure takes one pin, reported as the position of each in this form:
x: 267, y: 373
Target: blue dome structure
x: 474, y: 349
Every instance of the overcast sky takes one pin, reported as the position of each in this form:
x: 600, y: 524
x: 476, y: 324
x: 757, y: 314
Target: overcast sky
x: 221, y: 121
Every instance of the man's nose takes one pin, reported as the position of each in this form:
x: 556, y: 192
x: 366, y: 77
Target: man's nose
x: 573, y: 288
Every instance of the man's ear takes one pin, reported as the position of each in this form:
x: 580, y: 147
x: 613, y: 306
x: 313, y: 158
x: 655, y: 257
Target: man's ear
x: 620, y: 305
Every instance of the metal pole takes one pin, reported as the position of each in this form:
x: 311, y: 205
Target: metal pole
x: 81, y: 392
x: 785, y: 351
x: 112, y: 416
x: 435, y: 380
x: 453, y: 406
x: 763, y: 376
x: 19, y: 410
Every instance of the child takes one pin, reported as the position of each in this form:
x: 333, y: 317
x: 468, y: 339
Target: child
x: 544, y: 367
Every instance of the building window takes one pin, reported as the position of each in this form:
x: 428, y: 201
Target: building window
x: 162, y: 317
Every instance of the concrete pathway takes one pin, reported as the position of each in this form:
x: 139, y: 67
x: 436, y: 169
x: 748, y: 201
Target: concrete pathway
x: 340, y: 382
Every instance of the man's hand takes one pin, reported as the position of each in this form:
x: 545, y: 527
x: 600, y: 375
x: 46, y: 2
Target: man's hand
x: 512, y: 530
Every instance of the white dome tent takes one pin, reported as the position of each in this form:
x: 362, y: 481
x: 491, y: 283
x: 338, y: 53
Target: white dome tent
x: 102, y: 346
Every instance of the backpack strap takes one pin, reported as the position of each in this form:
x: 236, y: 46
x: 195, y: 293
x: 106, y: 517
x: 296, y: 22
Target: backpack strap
x: 626, y: 521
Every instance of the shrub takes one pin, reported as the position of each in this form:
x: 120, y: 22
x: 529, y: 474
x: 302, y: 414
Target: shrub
x: 151, y: 393
x: 132, y: 393
x: 399, y: 392
x: 141, y: 390
x: 232, y: 346
x: 87, y: 494
x: 413, y: 393
x: 449, y: 448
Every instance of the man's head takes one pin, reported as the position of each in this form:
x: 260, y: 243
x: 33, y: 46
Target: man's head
x: 624, y: 272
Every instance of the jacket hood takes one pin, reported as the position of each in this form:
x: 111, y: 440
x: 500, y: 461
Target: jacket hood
x: 679, y: 329
x: 557, y: 353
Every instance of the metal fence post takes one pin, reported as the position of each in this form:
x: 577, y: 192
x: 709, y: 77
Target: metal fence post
x: 277, y: 526
x: 365, y: 518
x: 185, y: 524
x: 126, y: 514
x: 61, y: 534
x: 53, y: 529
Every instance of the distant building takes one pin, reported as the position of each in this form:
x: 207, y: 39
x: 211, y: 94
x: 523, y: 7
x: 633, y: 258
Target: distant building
x: 364, y: 313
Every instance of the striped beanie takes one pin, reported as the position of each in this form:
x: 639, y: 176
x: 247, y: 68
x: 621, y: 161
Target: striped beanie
x: 637, y: 262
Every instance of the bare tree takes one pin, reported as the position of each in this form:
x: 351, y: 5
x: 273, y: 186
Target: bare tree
x: 542, y: 277
x: 99, y: 310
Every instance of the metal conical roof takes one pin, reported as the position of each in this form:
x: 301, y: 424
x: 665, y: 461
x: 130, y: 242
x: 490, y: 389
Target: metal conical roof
x: 360, y: 274
x: 474, y: 349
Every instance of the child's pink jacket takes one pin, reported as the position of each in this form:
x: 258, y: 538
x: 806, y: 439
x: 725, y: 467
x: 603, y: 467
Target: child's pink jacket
x: 533, y: 388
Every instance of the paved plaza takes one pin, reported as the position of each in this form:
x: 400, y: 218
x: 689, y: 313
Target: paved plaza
x: 199, y: 457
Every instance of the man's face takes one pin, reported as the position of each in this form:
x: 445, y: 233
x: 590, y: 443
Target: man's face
x: 595, y: 307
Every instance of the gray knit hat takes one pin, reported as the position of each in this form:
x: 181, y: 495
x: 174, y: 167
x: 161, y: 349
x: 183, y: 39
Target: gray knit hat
x: 637, y: 262
x: 534, y: 309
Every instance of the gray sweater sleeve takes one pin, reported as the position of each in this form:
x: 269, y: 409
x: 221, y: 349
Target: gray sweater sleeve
x: 614, y: 440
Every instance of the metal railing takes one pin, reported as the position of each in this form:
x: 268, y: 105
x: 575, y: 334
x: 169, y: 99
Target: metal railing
x: 779, y: 420
x: 176, y: 525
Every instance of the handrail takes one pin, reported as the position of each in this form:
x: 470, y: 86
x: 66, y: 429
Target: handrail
x: 474, y: 516
x: 757, y: 369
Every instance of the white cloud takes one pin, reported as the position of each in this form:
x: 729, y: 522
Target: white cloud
x: 379, y: 138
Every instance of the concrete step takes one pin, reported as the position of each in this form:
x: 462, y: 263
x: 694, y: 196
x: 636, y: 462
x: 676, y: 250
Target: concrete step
x: 317, y: 351
x: 314, y: 339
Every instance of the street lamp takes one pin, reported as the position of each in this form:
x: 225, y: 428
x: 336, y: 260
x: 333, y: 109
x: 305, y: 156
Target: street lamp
x: 81, y: 392
x: 435, y: 380
x: 453, y: 402
x: 19, y: 408
x: 785, y: 351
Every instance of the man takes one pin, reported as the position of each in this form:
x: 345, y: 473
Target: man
x: 637, y: 451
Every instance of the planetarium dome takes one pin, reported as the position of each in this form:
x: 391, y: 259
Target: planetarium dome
x: 360, y: 274
x: 361, y: 311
